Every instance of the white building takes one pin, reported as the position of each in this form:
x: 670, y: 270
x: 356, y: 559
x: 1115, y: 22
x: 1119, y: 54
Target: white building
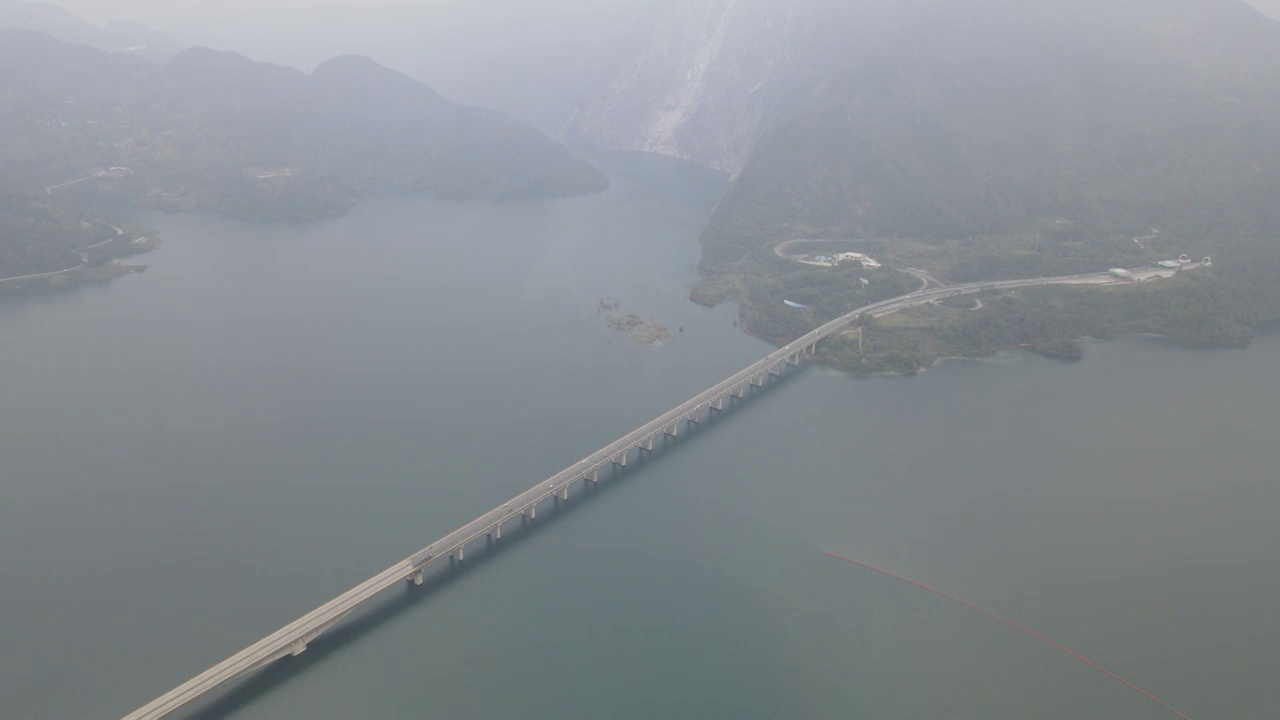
x: 865, y: 260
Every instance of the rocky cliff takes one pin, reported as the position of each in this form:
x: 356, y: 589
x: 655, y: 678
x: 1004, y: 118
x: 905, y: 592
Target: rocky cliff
x: 709, y: 79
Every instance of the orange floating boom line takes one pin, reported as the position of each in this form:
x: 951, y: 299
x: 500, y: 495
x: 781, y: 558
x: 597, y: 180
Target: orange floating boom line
x: 1019, y: 628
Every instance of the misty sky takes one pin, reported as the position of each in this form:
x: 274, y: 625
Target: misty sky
x: 173, y: 10
x: 303, y: 33
x: 528, y: 58
x: 524, y: 57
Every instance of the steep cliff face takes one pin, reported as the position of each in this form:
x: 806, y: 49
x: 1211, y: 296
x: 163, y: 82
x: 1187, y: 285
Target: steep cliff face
x: 714, y: 76
x: 711, y: 77
x: 958, y: 118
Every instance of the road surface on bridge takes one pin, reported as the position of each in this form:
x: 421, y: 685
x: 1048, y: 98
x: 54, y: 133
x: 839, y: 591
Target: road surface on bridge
x: 292, y: 639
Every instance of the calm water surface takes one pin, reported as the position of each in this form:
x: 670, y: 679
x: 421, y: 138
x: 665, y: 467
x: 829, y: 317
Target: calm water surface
x: 196, y: 455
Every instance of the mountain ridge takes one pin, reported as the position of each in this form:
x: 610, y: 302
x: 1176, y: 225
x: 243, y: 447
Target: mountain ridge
x: 977, y: 140
x: 214, y: 131
x: 118, y: 37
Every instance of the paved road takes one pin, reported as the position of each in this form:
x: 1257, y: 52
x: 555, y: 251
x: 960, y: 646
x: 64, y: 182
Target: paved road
x: 924, y: 277
x: 292, y: 638
x: 49, y: 190
x: 84, y: 259
x: 119, y: 232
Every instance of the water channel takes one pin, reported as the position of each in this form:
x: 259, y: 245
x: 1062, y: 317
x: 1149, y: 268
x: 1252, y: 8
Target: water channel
x: 194, y: 455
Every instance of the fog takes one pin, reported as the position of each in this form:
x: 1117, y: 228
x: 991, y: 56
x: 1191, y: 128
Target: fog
x: 1269, y: 7
x: 372, y: 311
x: 532, y: 60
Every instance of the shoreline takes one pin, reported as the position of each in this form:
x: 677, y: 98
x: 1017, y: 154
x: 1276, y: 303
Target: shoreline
x: 68, y: 279
x: 88, y: 271
x: 893, y: 360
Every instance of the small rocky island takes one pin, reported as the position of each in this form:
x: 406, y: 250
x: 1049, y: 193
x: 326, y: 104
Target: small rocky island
x: 640, y: 330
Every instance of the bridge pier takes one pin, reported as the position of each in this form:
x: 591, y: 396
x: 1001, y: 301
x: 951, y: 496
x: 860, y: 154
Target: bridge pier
x: 758, y: 380
x: 776, y: 370
x: 563, y: 493
x: 495, y: 533
x: 293, y: 639
x: 593, y: 477
x: 674, y: 430
x: 646, y: 444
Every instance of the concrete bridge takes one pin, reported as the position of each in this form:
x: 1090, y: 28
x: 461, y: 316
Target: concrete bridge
x: 293, y: 638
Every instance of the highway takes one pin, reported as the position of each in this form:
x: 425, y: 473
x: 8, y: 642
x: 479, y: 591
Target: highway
x: 292, y: 639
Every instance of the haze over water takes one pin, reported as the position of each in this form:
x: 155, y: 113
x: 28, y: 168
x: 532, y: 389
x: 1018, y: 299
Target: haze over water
x: 195, y: 455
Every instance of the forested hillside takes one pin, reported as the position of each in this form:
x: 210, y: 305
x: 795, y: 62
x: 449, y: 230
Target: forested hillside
x: 218, y: 132
x: 1094, y: 120
x: 1012, y: 139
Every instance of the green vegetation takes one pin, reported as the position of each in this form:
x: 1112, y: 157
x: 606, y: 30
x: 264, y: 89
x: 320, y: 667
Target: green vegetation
x: 83, y: 275
x: 40, y: 237
x: 1217, y: 306
x: 999, y: 150
x: 46, y: 244
x: 213, y: 131
x: 761, y: 281
x: 1196, y: 307
x: 826, y: 293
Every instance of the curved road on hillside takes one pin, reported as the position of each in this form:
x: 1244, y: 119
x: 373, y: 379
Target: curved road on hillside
x: 84, y: 258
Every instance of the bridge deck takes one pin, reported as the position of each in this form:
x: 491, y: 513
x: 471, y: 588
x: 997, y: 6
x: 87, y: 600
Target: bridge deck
x: 292, y: 638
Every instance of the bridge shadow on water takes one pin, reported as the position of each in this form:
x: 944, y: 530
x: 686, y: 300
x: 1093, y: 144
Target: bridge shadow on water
x: 241, y: 694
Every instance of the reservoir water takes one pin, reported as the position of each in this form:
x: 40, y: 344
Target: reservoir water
x: 193, y: 456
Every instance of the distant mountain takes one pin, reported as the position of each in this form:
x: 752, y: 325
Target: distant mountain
x: 119, y: 37
x: 215, y: 131
x: 710, y: 80
x: 532, y: 60
x: 949, y: 118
